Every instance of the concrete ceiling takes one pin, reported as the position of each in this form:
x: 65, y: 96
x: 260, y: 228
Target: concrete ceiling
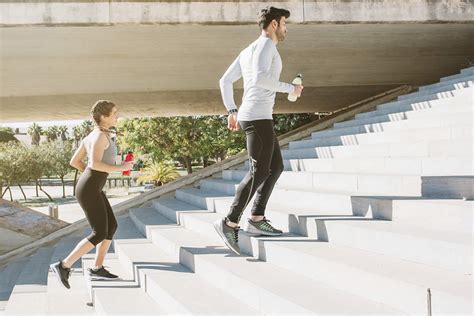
x: 56, y: 73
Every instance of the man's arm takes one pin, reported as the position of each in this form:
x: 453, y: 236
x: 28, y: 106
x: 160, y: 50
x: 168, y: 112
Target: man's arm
x: 233, y: 73
x: 262, y: 61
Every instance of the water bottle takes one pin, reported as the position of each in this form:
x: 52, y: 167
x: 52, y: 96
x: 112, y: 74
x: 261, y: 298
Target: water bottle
x: 297, y: 81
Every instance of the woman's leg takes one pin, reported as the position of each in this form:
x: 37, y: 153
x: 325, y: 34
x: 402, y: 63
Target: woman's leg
x: 103, y: 247
x: 90, y: 198
x: 100, y: 253
x: 83, y: 247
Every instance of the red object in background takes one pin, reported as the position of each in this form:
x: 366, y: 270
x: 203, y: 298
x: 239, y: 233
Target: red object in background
x: 128, y: 157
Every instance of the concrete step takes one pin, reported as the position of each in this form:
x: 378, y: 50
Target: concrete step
x: 402, y: 120
x: 374, y: 274
x: 404, y: 241
x: 461, y: 101
x: 125, y: 277
x: 294, y: 201
x: 171, y: 285
x: 270, y: 288
x: 440, y: 88
x: 398, y: 283
x: 292, y: 220
x: 127, y: 229
x: 8, y: 277
x: 468, y: 70
x: 296, y: 218
x: 141, y: 221
x: 356, y: 183
x: 448, y: 187
x: 418, y: 102
x: 419, y: 166
x: 125, y: 301
x: 415, y: 148
x: 171, y: 207
x: 447, y: 82
x: 201, y: 198
x: 452, y: 133
x: 449, y: 250
x: 457, y: 76
x: 463, y: 73
x: 435, y: 214
x: 422, y: 116
x: 30, y: 291
x: 300, y: 220
x: 61, y: 301
x: 123, y: 296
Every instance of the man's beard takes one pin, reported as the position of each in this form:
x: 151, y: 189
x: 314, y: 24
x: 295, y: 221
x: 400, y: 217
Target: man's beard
x: 280, y: 36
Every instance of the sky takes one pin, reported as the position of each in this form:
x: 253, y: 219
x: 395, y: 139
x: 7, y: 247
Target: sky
x: 24, y: 125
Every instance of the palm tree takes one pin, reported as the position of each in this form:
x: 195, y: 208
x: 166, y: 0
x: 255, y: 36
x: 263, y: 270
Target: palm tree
x: 77, y: 134
x: 159, y: 173
x: 62, y: 131
x: 51, y: 133
x: 87, y: 127
x: 35, y: 132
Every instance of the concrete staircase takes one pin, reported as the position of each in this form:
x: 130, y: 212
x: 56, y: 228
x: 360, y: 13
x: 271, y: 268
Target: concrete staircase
x: 375, y: 210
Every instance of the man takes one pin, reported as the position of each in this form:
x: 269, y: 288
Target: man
x: 260, y: 66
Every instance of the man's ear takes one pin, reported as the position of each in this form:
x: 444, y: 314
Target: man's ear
x: 275, y: 24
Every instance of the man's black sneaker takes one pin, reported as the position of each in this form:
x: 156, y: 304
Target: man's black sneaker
x: 61, y: 273
x: 229, y: 235
x: 101, y: 274
x: 262, y: 227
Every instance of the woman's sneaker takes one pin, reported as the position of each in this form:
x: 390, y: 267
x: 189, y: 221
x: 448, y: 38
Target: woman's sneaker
x: 62, y: 273
x: 101, y: 274
x: 262, y: 227
x: 229, y: 235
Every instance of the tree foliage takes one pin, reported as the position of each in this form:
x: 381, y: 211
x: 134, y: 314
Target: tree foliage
x: 158, y: 173
x: 184, y: 139
x: 35, y: 132
x: 7, y: 135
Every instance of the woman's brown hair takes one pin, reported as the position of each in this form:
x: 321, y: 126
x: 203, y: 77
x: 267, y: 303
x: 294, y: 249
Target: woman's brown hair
x: 103, y: 107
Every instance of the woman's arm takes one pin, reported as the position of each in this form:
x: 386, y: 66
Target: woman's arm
x: 77, y: 160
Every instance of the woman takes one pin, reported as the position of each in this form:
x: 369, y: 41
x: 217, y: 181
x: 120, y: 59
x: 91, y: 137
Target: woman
x: 100, y: 152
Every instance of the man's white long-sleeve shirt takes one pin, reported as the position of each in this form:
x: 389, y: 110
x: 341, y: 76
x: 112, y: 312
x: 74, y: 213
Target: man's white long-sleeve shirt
x: 260, y: 66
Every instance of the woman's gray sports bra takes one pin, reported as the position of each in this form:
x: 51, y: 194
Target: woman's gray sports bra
x: 109, y: 154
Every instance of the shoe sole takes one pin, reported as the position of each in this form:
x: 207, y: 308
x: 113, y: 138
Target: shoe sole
x: 56, y: 272
x: 219, y: 232
x: 99, y: 278
x: 254, y: 231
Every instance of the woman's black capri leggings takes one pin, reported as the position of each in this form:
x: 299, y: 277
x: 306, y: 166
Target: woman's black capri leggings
x: 93, y: 201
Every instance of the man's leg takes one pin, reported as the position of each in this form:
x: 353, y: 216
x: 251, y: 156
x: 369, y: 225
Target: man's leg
x: 259, y: 146
x: 265, y: 189
x: 258, y: 224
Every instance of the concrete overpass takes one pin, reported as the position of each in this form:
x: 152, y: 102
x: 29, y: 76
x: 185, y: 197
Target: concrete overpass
x: 165, y: 58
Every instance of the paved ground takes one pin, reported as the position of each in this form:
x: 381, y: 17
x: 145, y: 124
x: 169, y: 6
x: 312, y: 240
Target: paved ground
x: 69, y: 209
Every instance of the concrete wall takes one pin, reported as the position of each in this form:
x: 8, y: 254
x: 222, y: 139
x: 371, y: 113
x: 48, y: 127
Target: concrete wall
x: 57, y: 73
x: 20, y: 225
x: 27, y: 12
